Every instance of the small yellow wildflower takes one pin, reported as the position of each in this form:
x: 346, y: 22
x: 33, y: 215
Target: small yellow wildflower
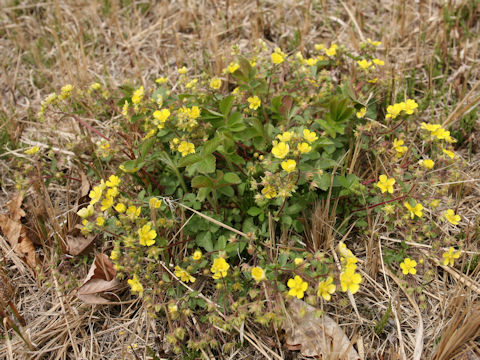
x: 298, y: 261
x: 258, y: 274
x: 162, y: 80
x: 399, y: 148
x: 378, y: 62
x: 86, y: 212
x: 107, y: 203
x: 182, y: 71
x: 297, y: 287
x: 183, y: 275
x: 364, y: 64
x: 186, y: 148
x: 452, y: 218
x: 350, y: 280
x: 393, y: 111
x: 278, y: 56
x: 133, y: 212
x: 215, y: 83
x: 374, y: 43
x: 408, y: 266
x: 319, y: 47
x: 449, y: 153
x: 427, y: 163
x: 197, y: 255
x: 219, y: 268
x: 414, y: 210
x: 310, y: 136
x: 32, y: 150
x: 326, y: 288
x: 361, y: 113
x: 285, y: 137
x: 269, y: 192
x: 154, y: 203
x: 311, y: 61
x: 232, y: 67
x: 289, y: 165
x: 147, y: 235
x: 161, y: 116
x: 138, y: 95
x: 280, y: 149
x: 121, y: 208
x: 135, y: 285
x: 100, y: 221
x: 115, y: 254
x: 254, y: 102
x: 113, y: 181
x: 385, y: 184
x: 450, y: 256
x: 409, y: 106
x: 332, y: 50
x: 95, y: 195
x: 304, y: 148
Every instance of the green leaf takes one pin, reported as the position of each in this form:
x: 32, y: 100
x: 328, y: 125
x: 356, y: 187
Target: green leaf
x: 232, y: 178
x: 205, y: 240
x: 189, y: 160
x: 211, y: 145
x: 146, y: 146
x: 254, y: 211
x: 235, y: 122
x: 200, y: 181
x: 203, y: 193
x: 226, y: 105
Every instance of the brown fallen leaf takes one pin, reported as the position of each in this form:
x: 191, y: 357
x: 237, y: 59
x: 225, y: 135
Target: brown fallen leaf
x: 16, y: 233
x: 101, y: 278
x: 78, y: 244
x: 316, y: 336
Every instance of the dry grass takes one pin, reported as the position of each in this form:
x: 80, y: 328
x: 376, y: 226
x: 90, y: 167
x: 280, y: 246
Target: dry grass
x: 44, y: 45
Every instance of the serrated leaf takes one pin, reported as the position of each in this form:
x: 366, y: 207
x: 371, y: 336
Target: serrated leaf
x: 226, y: 105
x: 200, y: 181
x: 232, y: 178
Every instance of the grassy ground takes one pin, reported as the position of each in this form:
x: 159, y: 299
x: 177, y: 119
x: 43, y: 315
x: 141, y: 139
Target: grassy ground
x: 432, y: 47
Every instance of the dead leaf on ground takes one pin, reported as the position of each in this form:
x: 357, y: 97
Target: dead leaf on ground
x: 316, y: 336
x: 101, y: 278
x: 78, y: 244
x: 16, y: 233
x: 85, y: 187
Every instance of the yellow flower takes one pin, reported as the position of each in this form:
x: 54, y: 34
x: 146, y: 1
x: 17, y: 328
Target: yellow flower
x: 100, y: 221
x: 277, y: 58
x: 361, y: 113
x: 311, y: 61
x: 95, y: 195
x: 450, y: 256
x: 135, y: 285
x: 430, y: 127
x: 319, y: 47
x: 161, y: 116
x: 350, y: 280
x: 385, y: 184
x: 374, y: 43
x: 297, y: 287
x: 408, y: 266
x: 285, y: 137
x: 147, y: 235
x: 414, y: 210
x: 378, y: 62
x: 133, y: 212
x: 298, y: 261
x: 364, y: 64
x: 107, y: 203
x: 183, y: 70
x: 197, y: 255
x: 427, y: 163
x: 86, y: 212
x: 115, y: 254
x: 310, y: 136
x: 373, y: 81
x: 215, y: 83
x: 394, y: 110
x: 449, y: 153
x: 219, y: 268
x: 183, y: 275
x: 254, y: 102
x: 162, y: 80
x: 258, y: 274
x: 280, y: 149
x: 269, y: 192
x: 452, y: 217
x: 186, y: 148
x: 399, y: 148
x: 138, y: 95
x: 326, y: 288
x: 304, y: 148
x: 113, y: 181
x: 172, y: 308
x: 154, y: 203
x: 121, y: 208
x: 332, y: 50
x: 409, y: 106
x: 232, y: 67
x: 32, y: 150
x: 112, y: 192
x: 289, y: 165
